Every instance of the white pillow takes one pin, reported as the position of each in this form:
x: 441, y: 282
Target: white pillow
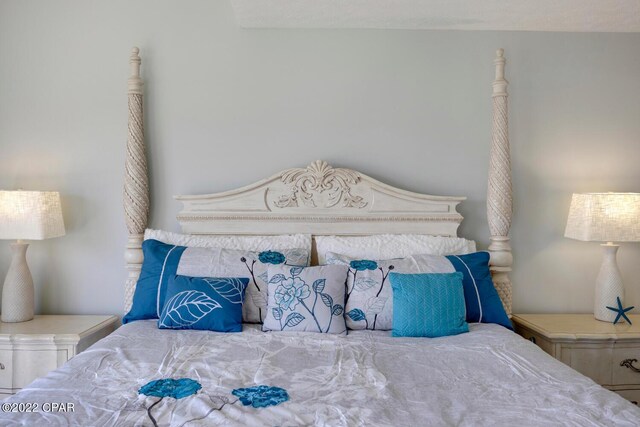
x: 390, y: 246
x: 306, y: 299
x: 369, y: 296
x: 216, y: 262
x: 247, y: 243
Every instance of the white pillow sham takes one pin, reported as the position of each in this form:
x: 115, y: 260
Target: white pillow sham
x: 247, y: 243
x: 216, y: 262
x: 391, y: 246
x: 306, y: 299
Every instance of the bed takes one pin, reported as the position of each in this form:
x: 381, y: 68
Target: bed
x: 488, y: 376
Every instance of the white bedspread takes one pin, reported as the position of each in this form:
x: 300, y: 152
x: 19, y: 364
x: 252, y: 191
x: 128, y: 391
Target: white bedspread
x: 489, y: 376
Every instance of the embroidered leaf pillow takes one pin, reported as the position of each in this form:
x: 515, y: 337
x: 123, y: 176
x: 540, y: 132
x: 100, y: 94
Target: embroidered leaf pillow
x: 162, y: 261
x: 205, y: 262
x: 206, y: 303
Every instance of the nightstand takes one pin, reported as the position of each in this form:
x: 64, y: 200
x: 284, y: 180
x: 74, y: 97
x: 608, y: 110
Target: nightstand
x: 29, y: 350
x: 607, y: 353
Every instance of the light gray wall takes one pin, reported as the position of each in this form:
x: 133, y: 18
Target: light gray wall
x: 227, y: 106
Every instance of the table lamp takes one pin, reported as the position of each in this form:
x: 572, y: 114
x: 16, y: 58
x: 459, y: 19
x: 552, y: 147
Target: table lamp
x: 605, y: 217
x: 25, y: 215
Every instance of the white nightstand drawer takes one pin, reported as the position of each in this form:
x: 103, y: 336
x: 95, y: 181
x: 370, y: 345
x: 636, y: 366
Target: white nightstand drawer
x: 29, y: 365
x: 594, y: 348
x: 6, y: 369
x: 594, y: 361
x: 29, y: 350
x: 626, y: 366
x: 537, y: 339
x: 631, y: 395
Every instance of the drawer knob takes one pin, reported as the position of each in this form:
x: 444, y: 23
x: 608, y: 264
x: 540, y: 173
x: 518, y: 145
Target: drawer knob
x: 532, y: 339
x: 629, y: 364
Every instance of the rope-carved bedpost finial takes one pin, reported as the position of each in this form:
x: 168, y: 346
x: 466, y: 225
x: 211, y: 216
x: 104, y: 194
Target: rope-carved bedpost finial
x: 499, y: 194
x: 135, y: 82
x: 136, y: 181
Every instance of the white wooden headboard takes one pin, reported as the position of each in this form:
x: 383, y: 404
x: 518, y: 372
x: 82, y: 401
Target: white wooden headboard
x: 321, y: 200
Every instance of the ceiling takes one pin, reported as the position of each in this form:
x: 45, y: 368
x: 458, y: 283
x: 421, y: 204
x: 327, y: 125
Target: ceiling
x: 501, y: 15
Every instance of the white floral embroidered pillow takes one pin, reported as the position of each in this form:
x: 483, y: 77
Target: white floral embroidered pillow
x: 306, y: 299
x: 214, y: 262
x: 369, y: 297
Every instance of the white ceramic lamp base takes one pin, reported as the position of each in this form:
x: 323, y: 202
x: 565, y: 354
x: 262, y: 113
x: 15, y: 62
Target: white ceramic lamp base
x: 17, y: 293
x: 608, y: 285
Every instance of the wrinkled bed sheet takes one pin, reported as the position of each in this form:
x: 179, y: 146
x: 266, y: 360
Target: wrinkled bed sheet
x: 489, y: 376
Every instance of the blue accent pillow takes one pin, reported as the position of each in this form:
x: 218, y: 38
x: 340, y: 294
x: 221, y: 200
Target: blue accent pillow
x: 162, y: 260
x: 428, y: 305
x: 482, y: 300
x: 160, y: 263
x: 205, y: 303
x: 369, y: 299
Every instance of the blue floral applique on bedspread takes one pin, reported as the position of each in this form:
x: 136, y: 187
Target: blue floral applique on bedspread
x: 261, y: 396
x: 168, y: 387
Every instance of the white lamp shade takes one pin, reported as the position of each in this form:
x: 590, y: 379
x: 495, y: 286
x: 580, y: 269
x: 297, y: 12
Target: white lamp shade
x: 30, y: 215
x: 604, y: 217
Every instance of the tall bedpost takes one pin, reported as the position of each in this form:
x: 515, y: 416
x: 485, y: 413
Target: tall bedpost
x: 499, y: 196
x: 136, y: 181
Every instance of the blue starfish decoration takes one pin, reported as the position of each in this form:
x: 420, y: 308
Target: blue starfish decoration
x: 621, y: 311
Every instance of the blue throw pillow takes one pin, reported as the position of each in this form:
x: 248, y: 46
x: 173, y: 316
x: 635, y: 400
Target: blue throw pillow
x: 428, y: 305
x: 205, y: 303
x: 160, y: 263
x: 369, y: 300
x: 482, y: 300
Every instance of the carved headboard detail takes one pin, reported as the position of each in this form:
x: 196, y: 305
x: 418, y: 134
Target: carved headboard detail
x: 319, y: 199
x: 310, y: 183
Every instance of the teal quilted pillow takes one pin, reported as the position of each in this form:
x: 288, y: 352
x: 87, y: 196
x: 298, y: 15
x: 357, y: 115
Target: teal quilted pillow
x: 428, y: 305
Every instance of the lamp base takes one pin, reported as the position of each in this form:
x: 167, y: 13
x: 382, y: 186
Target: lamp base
x: 17, y: 293
x: 608, y: 285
